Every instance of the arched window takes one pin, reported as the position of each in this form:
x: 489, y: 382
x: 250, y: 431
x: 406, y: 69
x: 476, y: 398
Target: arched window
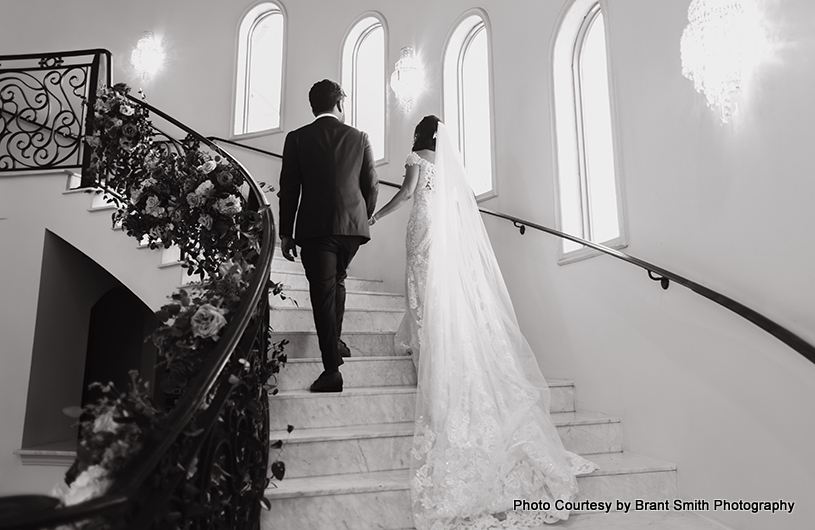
x: 588, y: 187
x: 363, y: 78
x: 468, y: 99
x: 259, y: 89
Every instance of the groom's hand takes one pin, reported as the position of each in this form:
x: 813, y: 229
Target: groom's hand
x: 288, y: 247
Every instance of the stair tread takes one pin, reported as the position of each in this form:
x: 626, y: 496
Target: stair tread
x: 347, y: 309
x: 371, y: 293
x: 638, y: 521
x: 377, y: 430
x: 347, y: 392
x: 610, y: 464
x: 344, y: 333
x: 302, y: 273
x: 352, y: 359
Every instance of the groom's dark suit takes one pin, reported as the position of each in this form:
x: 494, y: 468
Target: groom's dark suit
x: 328, y: 167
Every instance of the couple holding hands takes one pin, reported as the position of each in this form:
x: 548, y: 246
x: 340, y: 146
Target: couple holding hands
x: 483, y: 434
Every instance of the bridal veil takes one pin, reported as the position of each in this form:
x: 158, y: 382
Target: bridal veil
x: 483, y: 434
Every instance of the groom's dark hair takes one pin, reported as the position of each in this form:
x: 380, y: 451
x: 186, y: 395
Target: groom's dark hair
x: 424, y: 136
x: 324, y: 96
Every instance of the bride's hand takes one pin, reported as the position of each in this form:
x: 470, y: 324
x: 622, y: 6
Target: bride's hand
x: 372, y: 220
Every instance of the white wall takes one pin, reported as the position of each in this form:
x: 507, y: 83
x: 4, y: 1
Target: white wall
x: 724, y: 205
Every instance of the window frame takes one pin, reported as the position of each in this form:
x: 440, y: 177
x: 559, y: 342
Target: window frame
x: 574, y: 25
x: 351, y: 105
x: 463, y: 39
x: 248, y: 21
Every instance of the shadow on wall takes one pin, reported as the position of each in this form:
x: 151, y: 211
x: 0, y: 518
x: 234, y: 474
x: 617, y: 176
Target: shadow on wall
x: 89, y: 327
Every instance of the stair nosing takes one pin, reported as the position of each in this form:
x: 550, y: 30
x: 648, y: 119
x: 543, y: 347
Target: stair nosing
x: 358, y: 358
x: 356, y: 278
x: 348, y: 392
x: 399, y: 479
x: 347, y: 309
x: 405, y: 428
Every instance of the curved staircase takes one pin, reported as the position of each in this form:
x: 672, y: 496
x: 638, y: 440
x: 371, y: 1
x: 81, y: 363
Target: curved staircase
x: 347, y: 459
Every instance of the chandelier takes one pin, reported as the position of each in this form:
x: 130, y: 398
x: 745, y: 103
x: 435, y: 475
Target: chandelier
x: 407, y: 79
x: 718, y: 48
x: 148, y: 56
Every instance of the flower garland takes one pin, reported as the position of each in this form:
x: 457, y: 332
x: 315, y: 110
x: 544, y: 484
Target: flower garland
x: 167, y: 193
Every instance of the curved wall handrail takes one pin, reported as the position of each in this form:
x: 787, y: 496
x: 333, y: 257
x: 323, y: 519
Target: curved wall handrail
x: 664, y: 276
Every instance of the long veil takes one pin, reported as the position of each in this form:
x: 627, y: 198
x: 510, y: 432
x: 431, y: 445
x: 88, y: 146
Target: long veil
x: 483, y: 434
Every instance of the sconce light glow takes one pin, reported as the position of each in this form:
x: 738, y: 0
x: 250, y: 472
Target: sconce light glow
x: 719, y: 47
x: 148, y: 56
x: 407, y: 79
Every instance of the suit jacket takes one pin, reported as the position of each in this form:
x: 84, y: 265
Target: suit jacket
x: 328, y: 167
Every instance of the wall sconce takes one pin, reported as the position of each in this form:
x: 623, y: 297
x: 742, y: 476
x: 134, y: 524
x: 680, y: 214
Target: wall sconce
x: 148, y: 56
x: 721, y: 43
x: 407, y: 79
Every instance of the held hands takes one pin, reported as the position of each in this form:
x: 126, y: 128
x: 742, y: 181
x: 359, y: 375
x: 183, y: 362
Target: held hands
x: 288, y: 247
x: 372, y: 221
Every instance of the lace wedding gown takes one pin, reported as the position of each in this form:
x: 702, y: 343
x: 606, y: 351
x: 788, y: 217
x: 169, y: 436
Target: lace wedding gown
x: 483, y: 435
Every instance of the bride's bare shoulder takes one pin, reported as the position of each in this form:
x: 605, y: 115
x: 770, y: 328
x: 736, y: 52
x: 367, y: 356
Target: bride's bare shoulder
x: 428, y: 155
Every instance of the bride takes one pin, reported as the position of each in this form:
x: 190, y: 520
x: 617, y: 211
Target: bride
x: 483, y: 435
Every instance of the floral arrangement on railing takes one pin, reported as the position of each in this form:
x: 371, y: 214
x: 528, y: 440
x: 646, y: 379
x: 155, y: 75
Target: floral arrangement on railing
x: 176, y: 193
x: 170, y: 192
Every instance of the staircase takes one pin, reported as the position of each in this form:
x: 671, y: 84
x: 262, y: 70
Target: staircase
x: 347, y: 459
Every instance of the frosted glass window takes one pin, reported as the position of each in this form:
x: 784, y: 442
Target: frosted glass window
x: 467, y: 100
x: 363, y: 78
x: 589, y: 202
x: 260, y: 70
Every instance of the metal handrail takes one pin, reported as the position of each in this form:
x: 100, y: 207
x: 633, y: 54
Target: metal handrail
x: 122, y: 494
x: 249, y: 147
x: 665, y: 276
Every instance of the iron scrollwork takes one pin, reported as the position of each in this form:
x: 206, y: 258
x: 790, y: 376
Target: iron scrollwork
x: 43, y: 111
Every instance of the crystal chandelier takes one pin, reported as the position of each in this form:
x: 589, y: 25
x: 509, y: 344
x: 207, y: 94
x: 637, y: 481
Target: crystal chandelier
x: 407, y: 79
x: 148, y: 56
x: 718, y: 47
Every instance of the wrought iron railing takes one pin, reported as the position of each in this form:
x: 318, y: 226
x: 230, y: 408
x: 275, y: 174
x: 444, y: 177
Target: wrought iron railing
x: 44, y: 100
x: 215, y: 439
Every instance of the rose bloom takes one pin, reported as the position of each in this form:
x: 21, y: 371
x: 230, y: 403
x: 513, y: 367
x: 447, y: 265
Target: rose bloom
x: 205, y: 188
x: 193, y: 200
x: 207, y: 322
x: 224, y: 178
x: 148, y: 182
x: 228, y: 205
x: 127, y: 110
x: 205, y: 221
x: 207, y: 167
x: 151, y: 207
x: 129, y: 130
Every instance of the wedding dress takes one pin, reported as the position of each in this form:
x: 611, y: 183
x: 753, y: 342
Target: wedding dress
x: 483, y: 435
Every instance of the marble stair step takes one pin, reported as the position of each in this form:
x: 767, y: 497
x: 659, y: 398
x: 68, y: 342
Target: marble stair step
x: 298, y: 374
x: 366, y: 448
x: 352, y: 406
x: 353, y: 299
x: 362, y: 343
x: 638, y: 521
x: 369, y: 405
x: 358, y: 372
x: 297, y: 280
x: 382, y: 499
x: 302, y: 319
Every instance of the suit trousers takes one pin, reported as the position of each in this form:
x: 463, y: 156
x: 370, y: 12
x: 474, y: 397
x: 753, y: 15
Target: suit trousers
x: 325, y: 260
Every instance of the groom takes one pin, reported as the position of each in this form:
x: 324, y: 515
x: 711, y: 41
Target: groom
x: 328, y: 167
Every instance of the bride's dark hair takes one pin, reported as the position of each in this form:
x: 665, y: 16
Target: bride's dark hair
x: 424, y: 136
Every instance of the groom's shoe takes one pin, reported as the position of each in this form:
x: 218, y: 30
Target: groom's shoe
x: 343, y: 348
x: 328, y: 383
